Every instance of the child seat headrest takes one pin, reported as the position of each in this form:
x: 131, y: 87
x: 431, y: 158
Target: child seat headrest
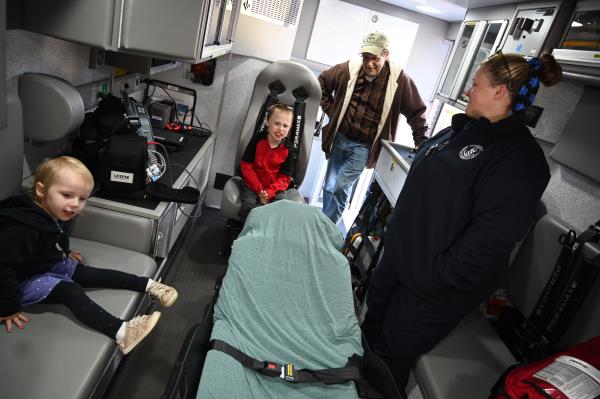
x: 52, y: 107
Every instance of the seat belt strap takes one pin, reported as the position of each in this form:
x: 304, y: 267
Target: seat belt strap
x: 288, y: 372
x: 275, y: 89
x: 580, y: 277
x: 300, y: 95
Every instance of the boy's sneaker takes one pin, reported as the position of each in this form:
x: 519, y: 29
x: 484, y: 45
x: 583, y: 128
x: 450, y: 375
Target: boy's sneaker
x: 163, y: 293
x: 136, y: 330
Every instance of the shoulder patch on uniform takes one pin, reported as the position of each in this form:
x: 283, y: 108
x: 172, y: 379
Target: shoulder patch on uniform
x: 470, y: 151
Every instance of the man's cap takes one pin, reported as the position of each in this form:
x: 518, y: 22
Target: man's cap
x: 374, y: 43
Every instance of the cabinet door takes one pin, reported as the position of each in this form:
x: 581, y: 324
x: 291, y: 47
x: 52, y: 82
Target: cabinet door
x: 229, y: 19
x: 214, y: 22
x: 171, y: 29
x: 468, y: 40
x: 90, y: 22
x: 491, y: 40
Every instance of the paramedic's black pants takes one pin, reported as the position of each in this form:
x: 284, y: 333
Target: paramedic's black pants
x: 87, y: 311
x: 399, y: 326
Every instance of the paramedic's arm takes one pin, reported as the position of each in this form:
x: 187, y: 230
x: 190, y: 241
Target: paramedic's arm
x: 247, y: 166
x: 413, y: 108
x: 327, y: 82
x: 15, y: 242
x: 502, y: 212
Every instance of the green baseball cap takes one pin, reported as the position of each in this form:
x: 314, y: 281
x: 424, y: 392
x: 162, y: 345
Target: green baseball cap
x: 374, y: 43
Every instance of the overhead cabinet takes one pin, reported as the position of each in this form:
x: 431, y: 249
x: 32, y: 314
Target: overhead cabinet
x: 186, y: 30
x: 476, y: 41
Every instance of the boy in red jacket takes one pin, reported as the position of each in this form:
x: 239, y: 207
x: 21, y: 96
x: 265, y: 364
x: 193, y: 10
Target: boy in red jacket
x: 266, y: 164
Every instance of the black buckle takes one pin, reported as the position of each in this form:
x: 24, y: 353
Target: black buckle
x: 271, y: 369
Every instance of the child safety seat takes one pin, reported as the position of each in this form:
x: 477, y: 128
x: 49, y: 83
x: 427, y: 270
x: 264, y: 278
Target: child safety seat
x: 289, y: 83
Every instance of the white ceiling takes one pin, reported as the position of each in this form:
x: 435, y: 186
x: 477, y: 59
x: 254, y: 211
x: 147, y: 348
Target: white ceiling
x: 450, y: 10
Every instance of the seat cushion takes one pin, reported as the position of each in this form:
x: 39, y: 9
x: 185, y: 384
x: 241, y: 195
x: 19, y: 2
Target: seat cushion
x: 55, y: 356
x: 466, y: 364
x: 231, y: 201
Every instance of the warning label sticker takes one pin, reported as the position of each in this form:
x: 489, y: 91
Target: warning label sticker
x: 573, y: 377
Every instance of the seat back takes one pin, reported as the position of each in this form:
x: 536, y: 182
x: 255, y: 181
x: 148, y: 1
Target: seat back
x: 532, y: 269
x: 534, y: 263
x: 586, y: 323
x: 52, y: 107
x: 292, y: 75
x: 11, y: 150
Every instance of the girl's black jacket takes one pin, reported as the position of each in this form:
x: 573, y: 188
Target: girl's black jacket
x: 470, y: 195
x: 31, y: 242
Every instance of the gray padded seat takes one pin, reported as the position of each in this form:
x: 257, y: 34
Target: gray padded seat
x: 468, y: 362
x: 55, y: 356
x: 292, y: 75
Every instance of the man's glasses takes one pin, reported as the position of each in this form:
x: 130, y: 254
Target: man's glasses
x: 501, y: 55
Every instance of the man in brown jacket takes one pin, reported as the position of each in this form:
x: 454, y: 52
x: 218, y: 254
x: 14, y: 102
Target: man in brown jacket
x: 363, y: 99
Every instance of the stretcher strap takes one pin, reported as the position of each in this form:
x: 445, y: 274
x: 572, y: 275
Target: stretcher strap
x: 288, y: 372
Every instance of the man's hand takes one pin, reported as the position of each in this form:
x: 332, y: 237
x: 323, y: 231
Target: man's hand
x: 263, y: 197
x: 76, y: 255
x: 19, y: 319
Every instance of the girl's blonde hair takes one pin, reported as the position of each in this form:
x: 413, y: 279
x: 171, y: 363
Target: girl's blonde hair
x: 47, y: 172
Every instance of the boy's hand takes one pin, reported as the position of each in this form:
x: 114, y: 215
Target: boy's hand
x: 19, y: 319
x: 76, y: 255
x: 263, y: 197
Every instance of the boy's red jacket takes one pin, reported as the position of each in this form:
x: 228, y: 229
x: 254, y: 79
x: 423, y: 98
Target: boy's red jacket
x: 266, y: 168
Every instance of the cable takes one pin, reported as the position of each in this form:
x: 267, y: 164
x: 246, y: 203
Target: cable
x: 180, y: 207
x: 157, y: 166
x: 174, y: 102
x: 202, y: 124
x: 169, y: 168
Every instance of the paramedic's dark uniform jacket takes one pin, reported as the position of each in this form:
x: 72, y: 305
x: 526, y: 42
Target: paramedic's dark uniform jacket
x: 470, y: 194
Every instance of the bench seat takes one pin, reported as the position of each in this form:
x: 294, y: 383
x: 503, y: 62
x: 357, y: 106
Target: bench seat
x: 468, y: 362
x: 57, y: 357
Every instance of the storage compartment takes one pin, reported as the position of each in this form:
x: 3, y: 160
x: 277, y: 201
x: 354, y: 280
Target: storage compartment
x: 476, y: 41
x: 185, y: 30
x: 89, y: 22
x: 579, y: 49
x: 392, y: 168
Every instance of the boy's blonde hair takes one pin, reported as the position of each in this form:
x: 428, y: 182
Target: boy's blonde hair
x: 47, y: 172
x: 279, y: 107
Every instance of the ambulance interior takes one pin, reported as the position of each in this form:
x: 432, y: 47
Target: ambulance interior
x: 198, y: 73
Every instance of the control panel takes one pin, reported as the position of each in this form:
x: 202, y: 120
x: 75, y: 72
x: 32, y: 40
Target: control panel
x: 528, y: 30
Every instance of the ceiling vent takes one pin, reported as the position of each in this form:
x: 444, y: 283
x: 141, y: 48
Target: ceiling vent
x: 281, y: 12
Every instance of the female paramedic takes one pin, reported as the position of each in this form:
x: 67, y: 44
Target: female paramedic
x: 470, y: 195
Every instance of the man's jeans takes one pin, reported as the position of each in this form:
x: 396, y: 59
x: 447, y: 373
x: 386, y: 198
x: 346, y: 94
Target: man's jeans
x: 347, y: 161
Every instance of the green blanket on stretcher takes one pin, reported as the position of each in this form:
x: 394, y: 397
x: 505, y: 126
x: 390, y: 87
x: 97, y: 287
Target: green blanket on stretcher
x: 286, y: 298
